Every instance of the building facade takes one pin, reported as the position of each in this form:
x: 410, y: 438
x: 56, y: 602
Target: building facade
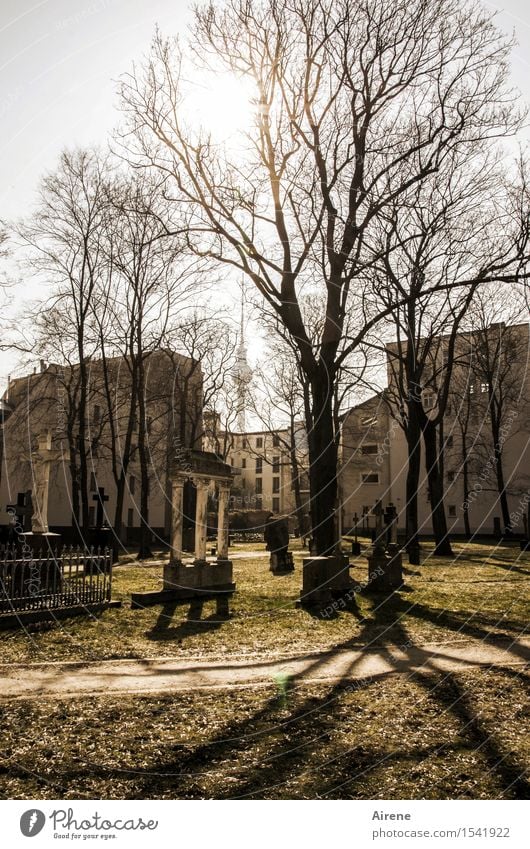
x: 47, y: 402
x: 264, y: 462
x: 489, y: 388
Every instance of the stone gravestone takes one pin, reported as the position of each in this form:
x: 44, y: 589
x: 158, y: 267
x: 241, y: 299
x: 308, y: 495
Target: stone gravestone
x: 356, y: 545
x: 276, y: 535
x: 385, y: 563
x: 200, y: 579
x: 100, y: 535
x: 41, y: 461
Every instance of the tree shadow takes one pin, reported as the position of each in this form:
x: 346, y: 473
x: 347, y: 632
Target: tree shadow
x: 193, y: 624
x: 278, y: 742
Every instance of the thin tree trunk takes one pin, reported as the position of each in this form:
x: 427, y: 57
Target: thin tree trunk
x: 145, y: 530
x: 436, y: 490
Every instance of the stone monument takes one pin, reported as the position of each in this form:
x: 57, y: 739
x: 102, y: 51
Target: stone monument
x: 41, y: 461
x: 385, y: 562
x: 201, y: 578
x: 276, y: 535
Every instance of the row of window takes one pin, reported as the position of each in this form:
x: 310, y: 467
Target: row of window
x: 257, y: 442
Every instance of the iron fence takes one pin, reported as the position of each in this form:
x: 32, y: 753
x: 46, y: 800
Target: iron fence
x: 52, y: 580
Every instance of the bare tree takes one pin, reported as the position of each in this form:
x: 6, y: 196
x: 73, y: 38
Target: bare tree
x: 497, y: 367
x: 456, y: 229
x: 151, y: 285
x: 355, y: 103
x: 63, y: 242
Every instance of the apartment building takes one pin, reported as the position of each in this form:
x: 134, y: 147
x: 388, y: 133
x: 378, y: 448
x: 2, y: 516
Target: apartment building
x: 264, y: 462
x: 44, y: 402
x: 490, y: 387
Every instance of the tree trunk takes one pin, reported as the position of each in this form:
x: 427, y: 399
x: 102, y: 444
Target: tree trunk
x: 144, y: 551
x: 323, y: 455
x: 499, y: 473
x: 295, y: 476
x: 436, y: 490
x: 465, y: 472
x: 118, y: 515
x: 413, y: 434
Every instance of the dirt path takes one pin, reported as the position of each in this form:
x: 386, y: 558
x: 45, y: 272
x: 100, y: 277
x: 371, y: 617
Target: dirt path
x: 168, y: 675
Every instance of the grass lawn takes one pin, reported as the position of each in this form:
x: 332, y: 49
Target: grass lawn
x: 430, y: 735
x: 484, y: 592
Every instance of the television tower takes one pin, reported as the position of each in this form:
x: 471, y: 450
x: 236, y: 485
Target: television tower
x: 242, y: 373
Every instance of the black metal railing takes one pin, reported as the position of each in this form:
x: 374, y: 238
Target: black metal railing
x: 52, y: 580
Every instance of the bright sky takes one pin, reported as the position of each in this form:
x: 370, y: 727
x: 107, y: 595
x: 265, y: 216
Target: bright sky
x: 58, y: 63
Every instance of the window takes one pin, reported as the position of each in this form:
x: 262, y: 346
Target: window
x: 276, y: 484
x: 471, y: 388
x: 275, y: 505
x: 275, y: 440
x: 484, y: 387
x: 258, y: 503
x: 370, y: 477
x: 130, y: 517
x: 259, y: 465
x: 450, y: 476
x: 259, y: 486
x: 244, y: 463
x: 245, y: 442
x: 132, y: 484
x: 428, y: 400
x: 97, y: 414
x: 275, y: 465
x: 259, y: 442
x: 452, y: 511
x: 371, y: 420
x: 368, y: 449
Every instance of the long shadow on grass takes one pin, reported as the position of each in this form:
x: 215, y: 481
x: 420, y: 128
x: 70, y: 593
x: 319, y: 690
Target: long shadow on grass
x: 293, y: 735
x: 281, y: 744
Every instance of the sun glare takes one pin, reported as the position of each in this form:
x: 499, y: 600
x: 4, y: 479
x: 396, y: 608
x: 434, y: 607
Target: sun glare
x: 223, y: 106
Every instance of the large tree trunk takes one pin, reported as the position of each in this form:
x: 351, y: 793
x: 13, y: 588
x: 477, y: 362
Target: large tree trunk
x: 323, y: 456
x: 436, y: 490
x: 413, y: 435
x: 145, y: 530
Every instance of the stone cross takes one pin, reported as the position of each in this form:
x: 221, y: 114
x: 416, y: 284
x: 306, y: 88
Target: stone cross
x: 100, y: 498
x: 355, y: 523
x: 41, y: 460
x: 378, y: 511
x: 391, y: 521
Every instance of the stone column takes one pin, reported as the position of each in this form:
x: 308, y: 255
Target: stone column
x: 201, y: 517
x: 222, y: 522
x: 177, y: 519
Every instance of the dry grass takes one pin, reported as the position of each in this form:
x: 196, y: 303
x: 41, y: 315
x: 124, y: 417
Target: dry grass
x: 457, y: 736
x: 484, y: 592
